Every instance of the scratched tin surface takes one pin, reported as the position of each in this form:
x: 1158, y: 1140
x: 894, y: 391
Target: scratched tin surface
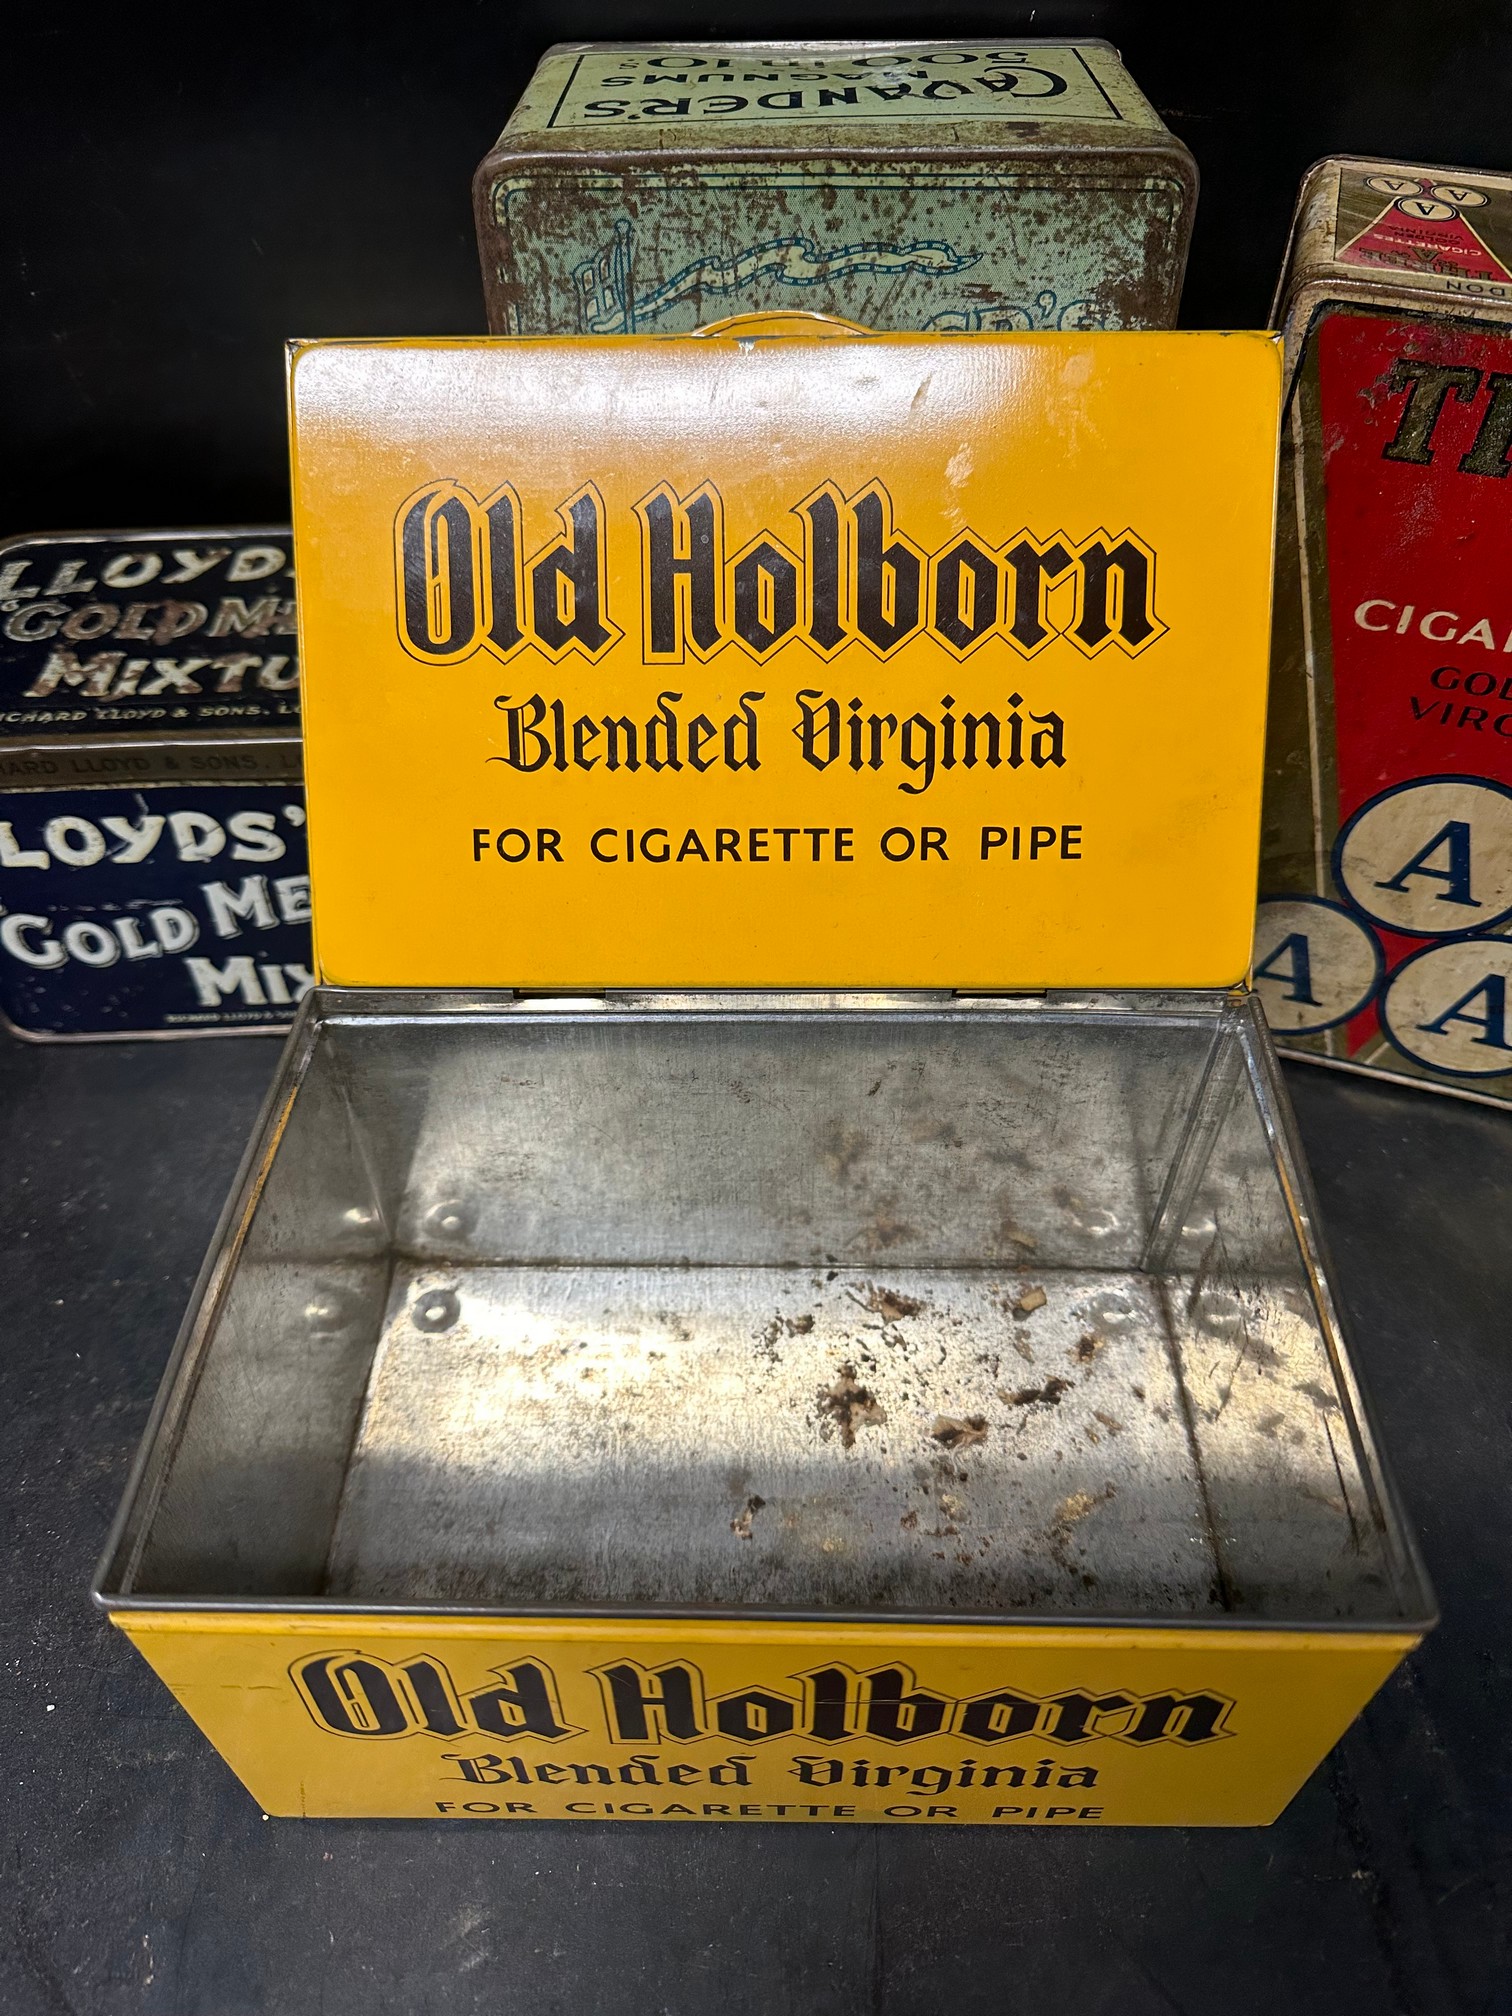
x: 641, y: 187
x: 1383, y: 932
x: 152, y: 850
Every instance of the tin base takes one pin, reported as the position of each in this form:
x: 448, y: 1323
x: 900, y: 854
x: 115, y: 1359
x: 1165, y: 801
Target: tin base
x: 866, y: 1394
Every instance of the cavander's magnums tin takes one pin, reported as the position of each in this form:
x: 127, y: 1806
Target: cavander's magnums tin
x: 1386, y: 880
x: 914, y: 185
x: 152, y: 845
x: 775, y: 1281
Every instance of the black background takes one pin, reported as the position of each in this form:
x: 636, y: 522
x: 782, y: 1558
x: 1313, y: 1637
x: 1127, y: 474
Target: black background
x: 185, y: 186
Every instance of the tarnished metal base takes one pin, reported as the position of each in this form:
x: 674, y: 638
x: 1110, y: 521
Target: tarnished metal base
x: 819, y: 1306
x: 941, y: 1440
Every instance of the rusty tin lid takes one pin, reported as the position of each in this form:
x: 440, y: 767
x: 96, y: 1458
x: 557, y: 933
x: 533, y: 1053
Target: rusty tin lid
x: 785, y: 655
x: 1369, y: 232
x: 1070, y: 95
x: 973, y: 185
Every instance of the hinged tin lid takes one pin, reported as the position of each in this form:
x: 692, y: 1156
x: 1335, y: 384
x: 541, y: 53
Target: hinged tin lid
x: 785, y: 656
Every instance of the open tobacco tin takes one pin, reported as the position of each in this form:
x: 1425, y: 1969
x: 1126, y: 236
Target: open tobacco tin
x: 775, y: 1281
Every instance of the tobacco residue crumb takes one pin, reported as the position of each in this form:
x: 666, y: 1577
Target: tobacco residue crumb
x: 1087, y: 1349
x: 1071, y: 1511
x: 780, y: 1327
x: 1110, y: 1421
x: 850, y: 1406
x: 741, y: 1527
x: 1048, y: 1395
x: 890, y: 1305
x: 1029, y: 1301
x: 953, y: 1433
x: 909, y: 1520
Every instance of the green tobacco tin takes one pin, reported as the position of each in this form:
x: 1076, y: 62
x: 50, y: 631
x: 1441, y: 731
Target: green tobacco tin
x: 912, y: 185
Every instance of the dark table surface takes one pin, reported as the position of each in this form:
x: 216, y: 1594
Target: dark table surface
x: 135, y: 1874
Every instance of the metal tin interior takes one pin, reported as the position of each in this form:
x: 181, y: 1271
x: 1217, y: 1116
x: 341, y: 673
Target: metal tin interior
x: 911, y: 1307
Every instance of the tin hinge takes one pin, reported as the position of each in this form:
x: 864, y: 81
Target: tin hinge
x: 560, y: 997
x: 804, y: 1000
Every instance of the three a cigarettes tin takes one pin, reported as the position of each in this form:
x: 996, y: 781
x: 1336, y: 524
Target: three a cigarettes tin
x: 1386, y: 880
x: 153, y: 878
x: 641, y: 187
x: 775, y: 1281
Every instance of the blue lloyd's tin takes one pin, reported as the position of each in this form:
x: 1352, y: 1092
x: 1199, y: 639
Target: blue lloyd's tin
x: 153, y: 878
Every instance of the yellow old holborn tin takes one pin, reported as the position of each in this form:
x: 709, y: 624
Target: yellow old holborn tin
x: 781, y: 1373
